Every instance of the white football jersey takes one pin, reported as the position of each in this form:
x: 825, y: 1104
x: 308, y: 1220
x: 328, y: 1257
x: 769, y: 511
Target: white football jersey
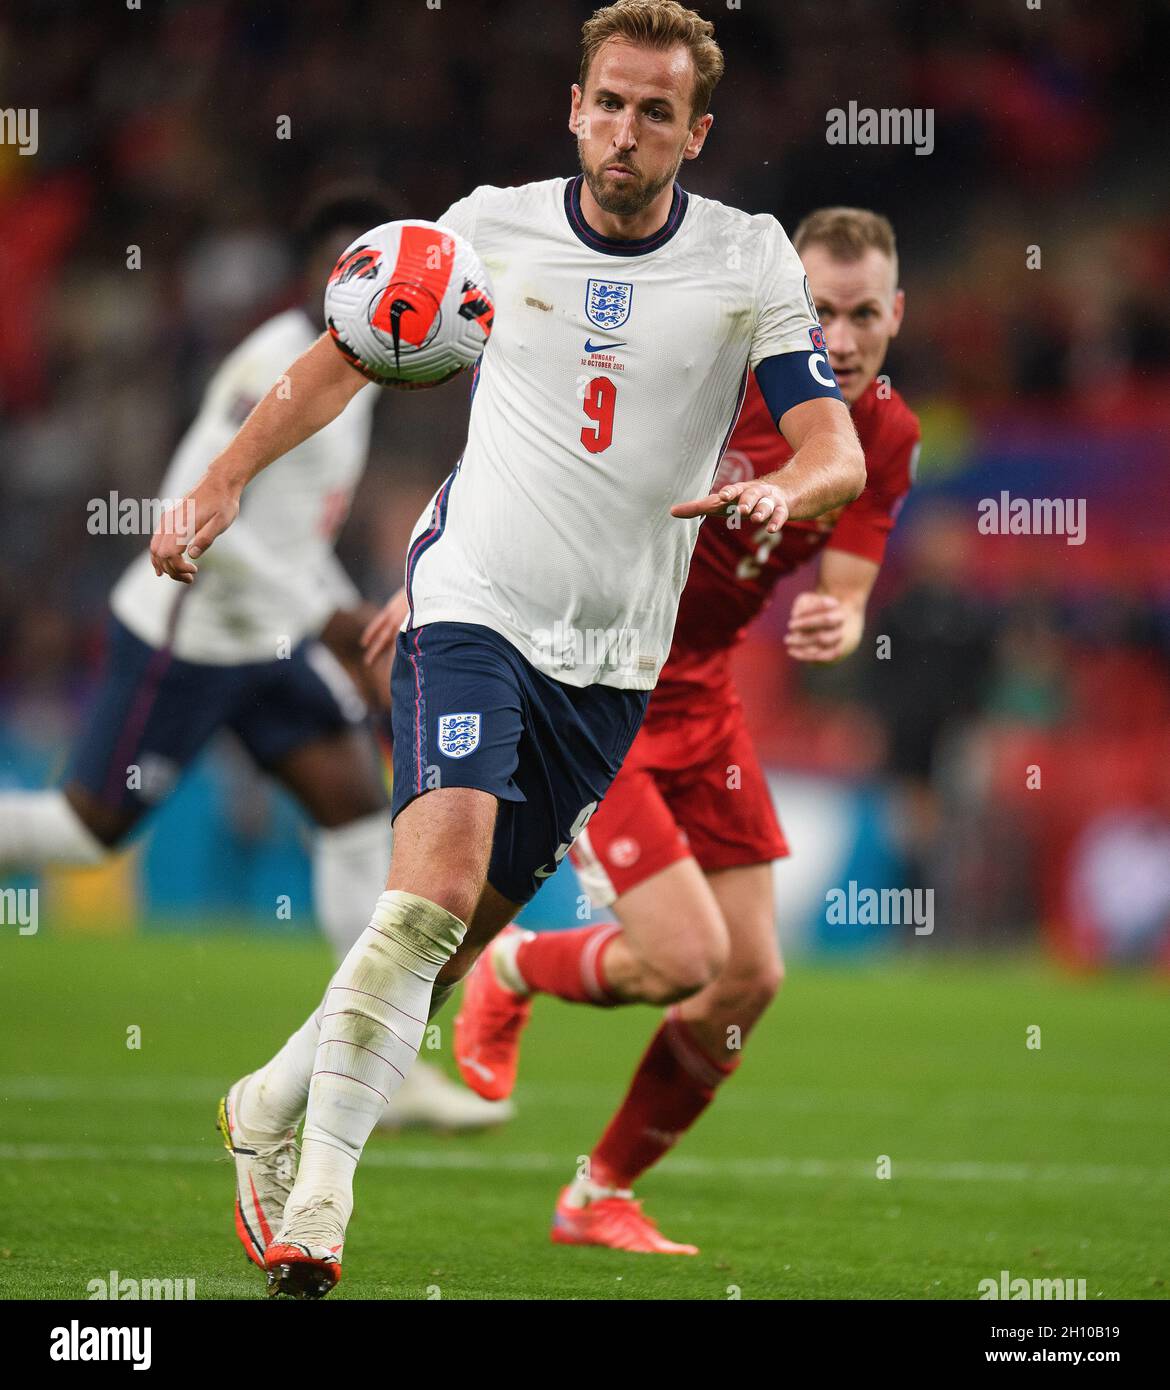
x: 272, y: 578
x: 612, y: 379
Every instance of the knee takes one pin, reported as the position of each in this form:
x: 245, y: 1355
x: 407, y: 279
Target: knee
x: 687, y: 964
x: 444, y: 881
x: 761, y: 985
x: 744, y: 995
x: 454, y: 893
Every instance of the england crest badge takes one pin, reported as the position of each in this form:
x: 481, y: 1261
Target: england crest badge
x: 458, y: 734
x: 607, y: 303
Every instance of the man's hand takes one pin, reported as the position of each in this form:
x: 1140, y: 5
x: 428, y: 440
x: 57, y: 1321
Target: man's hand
x: 379, y: 639
x: 314, y: 391
x: 381, y: 632
x: 186, y: 530
x: 760, y: 500
x: 826, y: 470
x: 821, y: 629
x: 342, y: 634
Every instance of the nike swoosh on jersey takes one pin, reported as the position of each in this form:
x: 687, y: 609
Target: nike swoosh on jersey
x: 603, y: 347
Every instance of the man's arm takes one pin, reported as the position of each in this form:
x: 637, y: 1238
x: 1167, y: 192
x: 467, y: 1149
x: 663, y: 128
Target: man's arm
x: 826, y: 624
x: 791, y: 365
x: 826, y: 470
x: 827, y: 467
x: 313, y: 392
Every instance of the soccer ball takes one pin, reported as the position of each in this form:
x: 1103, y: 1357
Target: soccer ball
x: 409, y: 304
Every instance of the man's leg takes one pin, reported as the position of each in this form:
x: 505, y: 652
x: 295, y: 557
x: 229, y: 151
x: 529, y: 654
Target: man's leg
x: 698, y: 1045
x: 260, y: 1114
x: 696, y: 1048
x: 376, y: 1009
x: 273, y: 1101
x: 334, y: 777
x: 546, y: 752
x: 669, y: 942
x: 664, y: 815
x: 150, y: 716
x: 309, y: 730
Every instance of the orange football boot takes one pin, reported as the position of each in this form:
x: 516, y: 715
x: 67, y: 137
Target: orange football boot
x: 616, y: 1221
x: 487, y: 1029
x: 301, y: 1271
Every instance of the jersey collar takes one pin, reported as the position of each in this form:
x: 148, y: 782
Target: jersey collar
x: 616, y: 246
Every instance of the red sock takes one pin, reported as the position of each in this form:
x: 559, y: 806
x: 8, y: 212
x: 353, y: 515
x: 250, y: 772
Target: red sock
x: 568, y: 964
x: 675, y: 1082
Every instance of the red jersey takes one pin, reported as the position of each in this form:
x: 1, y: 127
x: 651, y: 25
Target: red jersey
x: 734, y: 569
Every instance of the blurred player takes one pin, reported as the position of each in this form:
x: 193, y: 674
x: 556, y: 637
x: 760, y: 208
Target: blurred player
x: 682, y: 846
x: 265, y: 647
x: 544, y: 579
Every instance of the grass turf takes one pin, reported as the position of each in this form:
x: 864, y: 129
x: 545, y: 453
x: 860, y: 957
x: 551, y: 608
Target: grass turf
x: 1049, y: 1163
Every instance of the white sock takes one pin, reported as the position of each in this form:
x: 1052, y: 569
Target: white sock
x: 42, y: 828
x: 272, y: 1101
x: 374, y: 1017
x: 349, y: 868
x: 582, y: 1191
x: 350, y: 865
x: 502, y: 955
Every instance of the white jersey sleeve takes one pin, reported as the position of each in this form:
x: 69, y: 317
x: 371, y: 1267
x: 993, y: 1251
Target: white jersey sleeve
x: 788, y: 353
x: 785, y: 311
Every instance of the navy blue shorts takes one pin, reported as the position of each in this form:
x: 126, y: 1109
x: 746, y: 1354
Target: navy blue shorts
x: 470, y: 711
x: 153, y: 714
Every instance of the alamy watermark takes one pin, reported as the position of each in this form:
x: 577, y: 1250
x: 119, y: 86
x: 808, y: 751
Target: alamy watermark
x: 78, y: 1343
x: 115, y: 515
x: 18, y: 126
x: 19, y: 907
x: 1007, y: 1287
x: 1006, y: 515
x: 120, y: 1287
x: 615, y: 649
x: 887, y: 125
x: 881, y: 907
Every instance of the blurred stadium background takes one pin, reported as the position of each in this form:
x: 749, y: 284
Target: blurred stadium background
x: 159, y: 130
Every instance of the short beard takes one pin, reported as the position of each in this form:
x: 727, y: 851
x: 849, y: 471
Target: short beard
x: 625, y: 200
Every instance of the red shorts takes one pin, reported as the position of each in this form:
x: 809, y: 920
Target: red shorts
x: 689, y: 787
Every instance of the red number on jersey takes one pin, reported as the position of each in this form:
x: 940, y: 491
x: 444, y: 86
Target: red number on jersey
x: 600, y: 396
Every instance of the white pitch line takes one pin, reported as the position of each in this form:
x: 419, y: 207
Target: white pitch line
x: 474, y: 1160
x: 797, y: 1100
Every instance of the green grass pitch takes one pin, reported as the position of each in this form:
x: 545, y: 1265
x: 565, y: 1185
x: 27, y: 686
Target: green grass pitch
x: 1049, y: 1162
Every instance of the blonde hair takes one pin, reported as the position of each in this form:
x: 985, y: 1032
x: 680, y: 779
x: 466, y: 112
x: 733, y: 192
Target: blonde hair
x: 657, y: 24
x: 847, y: 234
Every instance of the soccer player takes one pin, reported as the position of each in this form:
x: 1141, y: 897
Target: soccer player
x: 681, y: 848
x: 264, y: 647
x: 544, y: 578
